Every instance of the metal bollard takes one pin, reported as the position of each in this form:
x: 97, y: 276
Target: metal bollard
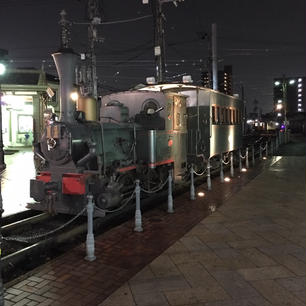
x: 253, y: 155
x: 247, y: 157
x: 221, y: 169
x: 90, y: 239
x: 260, y: 151
x: 192, y: 190
x: 138, y: 221
x: 232, y: 164
x: 208, y: 175
x: 267, y: 148
x: 170, y: 198
x: 240, y: 161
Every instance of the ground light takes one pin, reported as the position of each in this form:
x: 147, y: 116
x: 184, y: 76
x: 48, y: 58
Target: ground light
x: 201, y: 194
x: 243, y: 170
x: 264, y: 157
x: 227, y: 179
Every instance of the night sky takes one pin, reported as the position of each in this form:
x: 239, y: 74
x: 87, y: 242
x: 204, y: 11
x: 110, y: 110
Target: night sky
x: 261, y: 39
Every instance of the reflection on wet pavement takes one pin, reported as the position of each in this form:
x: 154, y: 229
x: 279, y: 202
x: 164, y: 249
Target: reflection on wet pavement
x: 15, y: 181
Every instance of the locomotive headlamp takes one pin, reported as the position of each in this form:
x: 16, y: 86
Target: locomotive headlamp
x: 74, y: 96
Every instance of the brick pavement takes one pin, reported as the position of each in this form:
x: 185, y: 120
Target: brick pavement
x: 250, y: 251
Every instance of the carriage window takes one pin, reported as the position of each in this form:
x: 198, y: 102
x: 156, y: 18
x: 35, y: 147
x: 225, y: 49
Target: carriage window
x: 222, y: 115
x: 218, y: 114
x: 213, y: 115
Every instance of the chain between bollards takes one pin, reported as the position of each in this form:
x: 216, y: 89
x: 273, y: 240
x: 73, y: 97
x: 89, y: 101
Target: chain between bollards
x: 138, y: 220
x: 170, y: 197
x: 90, y: 239
x: 192, y: 190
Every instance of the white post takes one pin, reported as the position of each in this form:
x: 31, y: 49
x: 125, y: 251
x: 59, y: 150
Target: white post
x: 232, y: 164
x: 170, y: 198
x: 208, y: 175
x: 253, y: 155
x: 138, y: 221
x: 247, y: 157
x: 90, y: 239
x: 221, y: 169
x: 240, y: 161
x: 192, y: 190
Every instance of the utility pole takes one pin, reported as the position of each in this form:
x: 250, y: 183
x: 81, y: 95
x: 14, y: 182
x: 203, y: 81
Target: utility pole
x: 65, y: 31
x: 94, y: 19
x: 214, y: 56
x: 159, y: 36
x: 159, y: 40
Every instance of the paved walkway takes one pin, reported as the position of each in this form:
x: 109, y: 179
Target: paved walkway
x: 250, y: 251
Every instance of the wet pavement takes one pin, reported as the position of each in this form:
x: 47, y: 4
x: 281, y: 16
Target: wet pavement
x: 242, y: 244
x: 249, y: 250
x: 15, y: 181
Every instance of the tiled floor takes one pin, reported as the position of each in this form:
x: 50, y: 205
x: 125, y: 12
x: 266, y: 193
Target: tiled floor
x: 250, y: 251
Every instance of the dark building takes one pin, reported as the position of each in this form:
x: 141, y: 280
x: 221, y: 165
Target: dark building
x: 289, y: 96
x: 225, y: 80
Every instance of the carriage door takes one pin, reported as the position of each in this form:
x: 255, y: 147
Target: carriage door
x: 180, y: 136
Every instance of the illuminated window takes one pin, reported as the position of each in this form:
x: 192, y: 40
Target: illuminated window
x: 213, y: 110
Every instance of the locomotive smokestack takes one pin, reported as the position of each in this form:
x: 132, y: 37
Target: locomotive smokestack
x: 65, y: 62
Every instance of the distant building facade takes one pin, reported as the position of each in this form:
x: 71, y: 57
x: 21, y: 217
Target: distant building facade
x: 26, y: 94
x: 289, y: 95
x: 225, y: 80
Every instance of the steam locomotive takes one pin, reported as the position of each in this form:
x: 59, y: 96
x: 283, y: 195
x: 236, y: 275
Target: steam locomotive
x: 136, y: 134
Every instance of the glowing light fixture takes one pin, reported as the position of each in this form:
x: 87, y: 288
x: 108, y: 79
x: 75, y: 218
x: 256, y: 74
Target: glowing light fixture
x: 2, y: 69
x: 227, y: 179
x: 279, y: 106
x: 277, y: 83
x: 291, y: 82
x: 264, y: 158
x: 279, y: 114
x: 279, y: 101
x: 74, y: 96
x: 300, y: 85
x: 243, y: 170
x: 201, y: 194
x: 300, y: 80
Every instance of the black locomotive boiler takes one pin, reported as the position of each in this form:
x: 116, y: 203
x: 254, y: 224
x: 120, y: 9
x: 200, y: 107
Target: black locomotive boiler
x: 137, y: 134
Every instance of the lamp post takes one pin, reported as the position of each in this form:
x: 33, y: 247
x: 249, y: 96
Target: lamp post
x: 2, y: 164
